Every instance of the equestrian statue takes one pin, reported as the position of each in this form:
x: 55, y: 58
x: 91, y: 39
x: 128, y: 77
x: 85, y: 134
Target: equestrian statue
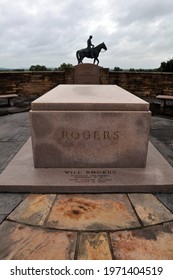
x: 90, y: 51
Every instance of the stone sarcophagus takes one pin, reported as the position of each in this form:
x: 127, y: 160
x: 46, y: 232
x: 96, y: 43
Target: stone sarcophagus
x: 89, y: 126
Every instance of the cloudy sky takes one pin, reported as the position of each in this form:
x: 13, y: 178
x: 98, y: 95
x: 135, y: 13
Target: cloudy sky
x: 137, y: 33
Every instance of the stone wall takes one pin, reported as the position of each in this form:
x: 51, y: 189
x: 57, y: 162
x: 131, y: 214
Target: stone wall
x: 30, y: 83
x: 143, y: 84
x: 37, y: 83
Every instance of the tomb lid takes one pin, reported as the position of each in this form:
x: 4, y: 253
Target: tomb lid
x: 89, y: 98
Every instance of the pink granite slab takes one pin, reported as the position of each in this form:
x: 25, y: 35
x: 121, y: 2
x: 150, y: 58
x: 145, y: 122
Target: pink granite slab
x: 89, y: 98
x: 21, y: 176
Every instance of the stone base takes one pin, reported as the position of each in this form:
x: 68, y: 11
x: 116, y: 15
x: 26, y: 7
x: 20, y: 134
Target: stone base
x: 21, y: 176
x: 87, y: 74
x: 90, y: 139
x: 89, y: 126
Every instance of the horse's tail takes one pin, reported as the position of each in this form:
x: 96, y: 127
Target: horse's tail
x: 78, y: 56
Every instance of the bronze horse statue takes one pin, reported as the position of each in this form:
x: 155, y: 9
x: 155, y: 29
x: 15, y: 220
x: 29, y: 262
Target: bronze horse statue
x: 80, y: 54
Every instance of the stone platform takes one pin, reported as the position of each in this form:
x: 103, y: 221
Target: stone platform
x: 89, y: 126
x: 21, y: 176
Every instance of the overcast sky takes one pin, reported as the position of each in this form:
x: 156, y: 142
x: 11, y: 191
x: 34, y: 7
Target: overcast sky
x: 137, y: 33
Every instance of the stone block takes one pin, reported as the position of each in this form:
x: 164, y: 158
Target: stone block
x: 89, y: 126
x: 86, y: 74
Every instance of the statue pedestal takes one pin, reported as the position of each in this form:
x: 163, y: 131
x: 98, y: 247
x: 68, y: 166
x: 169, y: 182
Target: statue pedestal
x: 89, y: 126
x: 87, y: 74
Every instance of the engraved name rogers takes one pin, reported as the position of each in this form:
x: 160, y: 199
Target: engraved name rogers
x: 87, y: 134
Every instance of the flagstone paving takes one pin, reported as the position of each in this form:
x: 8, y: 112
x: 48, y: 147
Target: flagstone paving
x: 94, y: 246
x: 153, y: 243
x: 8, y: 201
x: 166, y: 199
x: 33, y: 210
x: 20, y: 242
x: 83, y: 226
x: 92, y: 212
x: 97, y: 226
x: 149, y: 209
x: 2, y: 217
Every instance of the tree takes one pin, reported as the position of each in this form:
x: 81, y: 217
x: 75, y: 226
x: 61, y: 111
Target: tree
x: 132, y: 69
x: 38, y: 68
x: 166, y: 66
x: 65, y: 66
x: 117, y: 68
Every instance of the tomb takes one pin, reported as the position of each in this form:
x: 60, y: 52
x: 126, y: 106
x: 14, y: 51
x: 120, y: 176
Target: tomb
x: 88, y: 139
x: 89, y: 126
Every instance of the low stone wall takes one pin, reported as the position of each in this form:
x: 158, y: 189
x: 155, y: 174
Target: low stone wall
x: 142, y: 84
x: 30, y: 83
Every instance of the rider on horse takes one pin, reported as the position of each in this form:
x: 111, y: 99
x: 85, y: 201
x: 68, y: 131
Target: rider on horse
x: 90, y: 51
x: 89, y: 46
